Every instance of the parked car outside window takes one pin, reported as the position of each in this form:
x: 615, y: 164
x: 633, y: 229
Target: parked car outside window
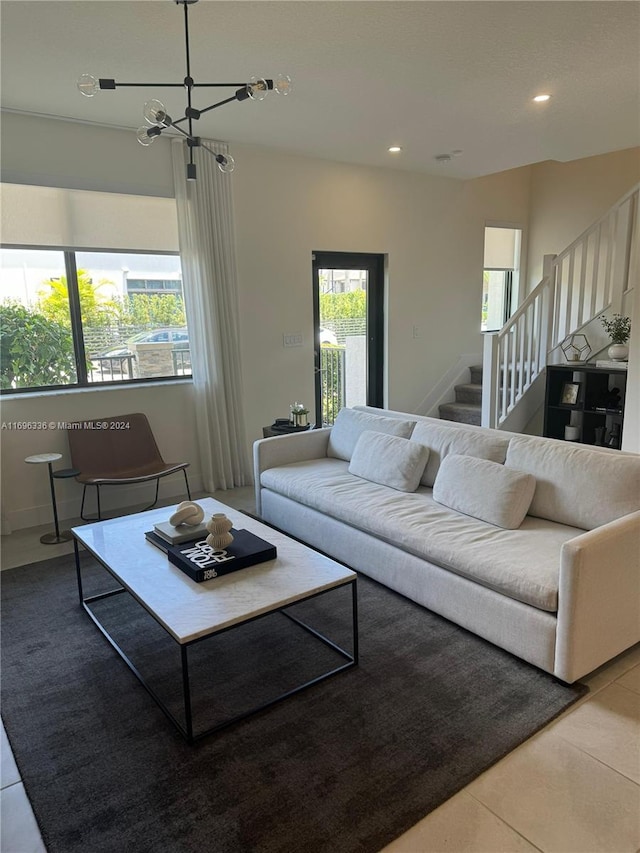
x: 179, y: 337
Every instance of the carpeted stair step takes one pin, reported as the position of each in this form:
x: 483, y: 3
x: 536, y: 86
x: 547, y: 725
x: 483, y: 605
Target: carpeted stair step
x: 464, y: 413
x: 476, y: 374
x: 469, y: 392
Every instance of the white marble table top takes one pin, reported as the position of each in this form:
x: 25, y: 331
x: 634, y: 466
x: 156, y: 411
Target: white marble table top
x: 44, y: 457
x: 189, y: 610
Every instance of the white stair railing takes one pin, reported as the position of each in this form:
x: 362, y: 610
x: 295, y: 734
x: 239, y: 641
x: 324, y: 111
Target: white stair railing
x: 588, y: 277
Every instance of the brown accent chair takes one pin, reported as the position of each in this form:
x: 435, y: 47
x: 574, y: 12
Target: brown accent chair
x: 116, y: 451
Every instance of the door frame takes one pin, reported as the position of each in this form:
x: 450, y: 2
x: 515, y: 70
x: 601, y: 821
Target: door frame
x: 374, y: 264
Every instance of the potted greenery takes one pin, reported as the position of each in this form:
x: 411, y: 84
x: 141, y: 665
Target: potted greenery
x: 619, y: 329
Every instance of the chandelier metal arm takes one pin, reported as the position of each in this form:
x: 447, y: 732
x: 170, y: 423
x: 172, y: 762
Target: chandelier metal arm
x: 155, y: 113
x: 219, y: 104
x: 108, y: 83
x: 188, y: 134
x: 112, y: 84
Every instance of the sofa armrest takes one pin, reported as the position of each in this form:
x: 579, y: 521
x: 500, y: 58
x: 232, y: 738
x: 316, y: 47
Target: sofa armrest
x: 598, y: 597
x: 285, y: 449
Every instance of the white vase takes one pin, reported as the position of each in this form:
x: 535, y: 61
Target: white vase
x: 219, y: 536
x: 618, y: 352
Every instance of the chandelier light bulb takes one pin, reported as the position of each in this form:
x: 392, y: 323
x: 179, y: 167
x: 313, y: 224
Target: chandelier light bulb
x: 155, y: 112
x: 258, y: 88
x: 226, y: 163
x: 143, y: 137
x: 88, y: 85
x: 282, y: 84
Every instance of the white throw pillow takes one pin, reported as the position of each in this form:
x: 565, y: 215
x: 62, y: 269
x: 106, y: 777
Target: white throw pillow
x: 389, y: 460
x: 349, y: 425
x: 443, y: 439
x: 484, y: 490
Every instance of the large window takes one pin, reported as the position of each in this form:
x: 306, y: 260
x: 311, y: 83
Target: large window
x: 70, y: 318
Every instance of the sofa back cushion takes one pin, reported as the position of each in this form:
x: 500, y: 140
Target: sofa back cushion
x: 442, y: 440
x: 484, y: 490
x: 575, y: 485
x: 350, y: 424
x: 389, y: 460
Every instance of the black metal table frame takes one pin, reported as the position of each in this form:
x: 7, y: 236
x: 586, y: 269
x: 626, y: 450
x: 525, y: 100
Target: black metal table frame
x: 187, y: 730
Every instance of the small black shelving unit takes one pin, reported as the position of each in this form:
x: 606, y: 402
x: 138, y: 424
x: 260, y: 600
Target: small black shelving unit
x: 599, y: 403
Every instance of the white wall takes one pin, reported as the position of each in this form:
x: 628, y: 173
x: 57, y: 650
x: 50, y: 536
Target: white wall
x: 631, y: 429
x: 431, y: 229
x: 566, y: 198
x: 26, y: 497
x: 53, y: 153
x: 78, y: 156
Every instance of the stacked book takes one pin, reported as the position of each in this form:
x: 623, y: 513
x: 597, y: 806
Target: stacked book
x: 201, y: 562
x: 183, y: 533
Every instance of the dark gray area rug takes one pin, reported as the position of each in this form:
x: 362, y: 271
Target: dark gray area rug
x: 347, y: 765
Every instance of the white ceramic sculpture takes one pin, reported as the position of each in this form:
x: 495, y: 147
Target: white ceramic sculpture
x: 219, y: 536
x: 187, y: 513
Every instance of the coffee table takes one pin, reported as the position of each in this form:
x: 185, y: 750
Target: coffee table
x: 192, y: 612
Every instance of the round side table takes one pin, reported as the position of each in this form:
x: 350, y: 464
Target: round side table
x: 58, y: 536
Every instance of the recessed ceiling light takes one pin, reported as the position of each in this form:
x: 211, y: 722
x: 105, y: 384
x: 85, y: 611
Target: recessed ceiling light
x: 394, y: 149
x: 540, y: 98
x: 442, y: 158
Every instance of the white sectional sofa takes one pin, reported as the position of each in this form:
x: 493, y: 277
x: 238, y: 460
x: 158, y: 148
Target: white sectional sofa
x: 531, y: 543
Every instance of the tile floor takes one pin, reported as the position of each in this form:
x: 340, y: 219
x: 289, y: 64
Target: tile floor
x: 572, y: 788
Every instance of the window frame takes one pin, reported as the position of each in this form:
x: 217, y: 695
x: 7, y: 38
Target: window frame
x: 71, y: 272
x: 507, y: 291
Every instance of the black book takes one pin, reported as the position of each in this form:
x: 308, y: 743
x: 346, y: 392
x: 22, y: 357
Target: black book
x: 201, y: 563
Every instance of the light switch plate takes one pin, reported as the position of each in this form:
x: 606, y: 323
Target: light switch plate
x: 292, y: 339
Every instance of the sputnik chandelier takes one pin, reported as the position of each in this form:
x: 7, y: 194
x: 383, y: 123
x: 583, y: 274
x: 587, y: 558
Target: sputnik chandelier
x: 155, y: 112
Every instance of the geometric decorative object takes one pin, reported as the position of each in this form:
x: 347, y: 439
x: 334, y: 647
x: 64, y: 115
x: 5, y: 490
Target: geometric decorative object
x: 576, y: 348
x: 156, y: 115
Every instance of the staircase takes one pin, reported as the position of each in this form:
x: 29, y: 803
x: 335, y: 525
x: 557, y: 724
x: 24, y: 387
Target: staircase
x: 467, y: 407
x: 596, y: 273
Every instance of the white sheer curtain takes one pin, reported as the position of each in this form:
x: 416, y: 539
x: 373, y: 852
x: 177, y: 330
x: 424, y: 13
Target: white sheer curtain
x: 207, y: 250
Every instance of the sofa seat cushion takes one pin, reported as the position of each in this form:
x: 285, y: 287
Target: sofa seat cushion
x: 522, y: 564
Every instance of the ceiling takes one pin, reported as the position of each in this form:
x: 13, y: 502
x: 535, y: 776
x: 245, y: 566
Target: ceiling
x: 432, y: 77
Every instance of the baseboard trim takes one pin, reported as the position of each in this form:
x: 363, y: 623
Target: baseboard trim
x: 112, y: 499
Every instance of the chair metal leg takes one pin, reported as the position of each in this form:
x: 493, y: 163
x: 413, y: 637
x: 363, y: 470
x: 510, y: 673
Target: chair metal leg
x: 84, y: 492
x: 151, y: 505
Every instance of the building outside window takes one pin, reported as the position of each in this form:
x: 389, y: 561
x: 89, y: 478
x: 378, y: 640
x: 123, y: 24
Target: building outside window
x: 69, y: 318
x: 74, y: 316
